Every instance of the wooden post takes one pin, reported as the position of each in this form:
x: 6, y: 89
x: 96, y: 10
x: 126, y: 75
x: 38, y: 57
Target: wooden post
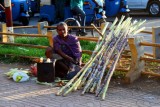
x: 41, y: 27
x: 156, y: 39
x: 4, y: 30
x: 50, y: 38
x: 137, y: 65
x: 9, y: 21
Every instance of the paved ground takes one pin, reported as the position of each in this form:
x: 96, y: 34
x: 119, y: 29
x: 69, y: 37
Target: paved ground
x: 30, y: 94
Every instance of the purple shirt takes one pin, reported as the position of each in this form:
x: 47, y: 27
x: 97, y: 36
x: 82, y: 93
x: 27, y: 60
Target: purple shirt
x: 71, y: 46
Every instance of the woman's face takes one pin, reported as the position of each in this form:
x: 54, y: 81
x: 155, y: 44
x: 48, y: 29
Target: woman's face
x: 62, y: 31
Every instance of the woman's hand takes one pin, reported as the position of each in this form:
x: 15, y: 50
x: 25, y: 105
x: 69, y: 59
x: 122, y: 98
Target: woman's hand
x: 71, y: 60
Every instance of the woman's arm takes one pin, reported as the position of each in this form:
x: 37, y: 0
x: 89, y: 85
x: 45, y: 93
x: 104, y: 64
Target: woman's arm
x: 65, y: 56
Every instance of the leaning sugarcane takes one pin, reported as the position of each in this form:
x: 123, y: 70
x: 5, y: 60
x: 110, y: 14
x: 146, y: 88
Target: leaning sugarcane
x: 127, y: 23
x: 89, y: 83
x: 107, y: 57
x: 105, y: 60
x: 119, y: 50
x: 72, y: 80
x: 83, y: 69
x: 112, y: 69
x: 117, y: 57
x: 81, y: 76
x: 99, y: 45
x: 86, y: 73
x: 112, y: 49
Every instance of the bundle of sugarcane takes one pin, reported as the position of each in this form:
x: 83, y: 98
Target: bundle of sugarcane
x: 121, y: 45
x: 93, y: 76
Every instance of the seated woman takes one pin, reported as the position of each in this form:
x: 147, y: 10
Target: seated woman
x: 67, y: 50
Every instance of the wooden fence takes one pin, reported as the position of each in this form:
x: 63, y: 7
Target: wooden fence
x: 43, y: 32
x: 137, y: 56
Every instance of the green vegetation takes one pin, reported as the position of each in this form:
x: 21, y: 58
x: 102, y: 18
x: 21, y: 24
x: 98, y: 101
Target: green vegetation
x: 35, y: 52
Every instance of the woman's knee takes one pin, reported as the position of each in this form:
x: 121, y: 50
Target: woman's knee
x: 49, y: 52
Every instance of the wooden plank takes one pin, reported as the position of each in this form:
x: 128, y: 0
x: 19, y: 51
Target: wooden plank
x: 150, y: 59
x: 150, y: 44
x: 25, y: 45
x: 20, y: 27
x: 18, y: 34
x: 151, y: 74
x: 148, y: 32
x: 75, y: 27
x: 156, y: 39
x: 137, y: 65
x: 88, y: 38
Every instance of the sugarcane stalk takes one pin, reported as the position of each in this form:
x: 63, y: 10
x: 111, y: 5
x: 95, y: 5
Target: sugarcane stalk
x: 113, y: 24
x: 78, y: 74
x: 136, y: 25
x: 105, y: 40
x: 89, y: 72
x: 107, y: 61
x: 106, y: 37
x: 110, y: 72
x: 92, y: 75
x: 70, y: 82
x: 92, y: 89
x: 73, y: 79
x: 112, y: 69
x: 139, y: 30
x: 87, y: 76
x: 82, y: 74
x: 98, y: 90
x: 90, y: 80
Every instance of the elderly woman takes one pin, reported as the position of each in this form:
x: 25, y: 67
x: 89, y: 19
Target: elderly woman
x: 66, y: 50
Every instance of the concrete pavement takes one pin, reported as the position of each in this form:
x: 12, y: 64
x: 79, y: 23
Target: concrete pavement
x: 30, y: 94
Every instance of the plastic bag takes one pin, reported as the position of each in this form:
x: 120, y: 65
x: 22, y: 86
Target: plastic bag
x: 20, y: 77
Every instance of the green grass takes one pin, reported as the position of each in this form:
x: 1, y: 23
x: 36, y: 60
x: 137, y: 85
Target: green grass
x: 35, y: 52
x: 87, y: 45
x: 32, y: 40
